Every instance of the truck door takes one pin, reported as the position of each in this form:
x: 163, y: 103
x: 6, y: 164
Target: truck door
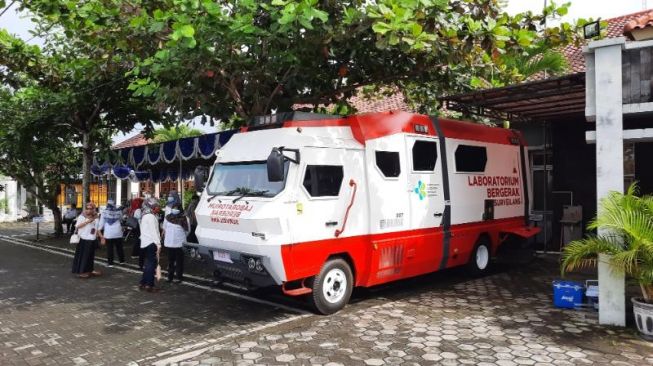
x: 324, y: 194
x: 425, y: 189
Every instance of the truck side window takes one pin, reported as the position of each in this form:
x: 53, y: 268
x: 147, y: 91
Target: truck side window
x: 388, y: 163
x: 323, y: 180
x: 471, y: 159
x: 425, y: 154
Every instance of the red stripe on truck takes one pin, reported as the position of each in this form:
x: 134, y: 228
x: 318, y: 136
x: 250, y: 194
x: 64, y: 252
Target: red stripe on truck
x: 381, y: 258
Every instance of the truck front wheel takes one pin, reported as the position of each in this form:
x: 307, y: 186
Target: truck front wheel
x: 332, y: 287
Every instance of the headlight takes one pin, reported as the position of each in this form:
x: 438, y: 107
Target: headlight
x: 259, y: 266
x: 251, y: 263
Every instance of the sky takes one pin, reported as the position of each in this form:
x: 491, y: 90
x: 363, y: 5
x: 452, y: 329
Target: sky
x: 20, y: 25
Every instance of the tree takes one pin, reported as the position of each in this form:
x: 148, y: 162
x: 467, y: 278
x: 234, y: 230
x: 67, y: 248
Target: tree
x: 32, y: 151
x: 87, y: 85
x: 175, y: 133
x: 238, y: 59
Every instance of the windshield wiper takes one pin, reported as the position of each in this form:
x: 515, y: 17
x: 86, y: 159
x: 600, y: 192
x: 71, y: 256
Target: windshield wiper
x: 251, y: 194
x: 224, y: 194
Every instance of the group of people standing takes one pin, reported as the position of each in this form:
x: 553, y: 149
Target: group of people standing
x: 106, y: 229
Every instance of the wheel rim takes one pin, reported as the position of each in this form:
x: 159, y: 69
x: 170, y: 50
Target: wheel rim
x: 482, y: 257
x: 334, y: 285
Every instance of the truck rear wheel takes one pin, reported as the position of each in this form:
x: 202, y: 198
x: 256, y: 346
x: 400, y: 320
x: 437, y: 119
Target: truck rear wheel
x: 332, y: 287
x: 479, y: 261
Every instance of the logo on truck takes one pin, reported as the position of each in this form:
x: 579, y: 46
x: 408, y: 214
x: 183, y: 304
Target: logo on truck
x: 420, y: 190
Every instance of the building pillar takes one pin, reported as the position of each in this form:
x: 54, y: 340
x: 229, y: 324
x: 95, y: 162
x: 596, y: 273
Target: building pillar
x: 608, y: 104
x: 134, y: 189
x: 118, y: 192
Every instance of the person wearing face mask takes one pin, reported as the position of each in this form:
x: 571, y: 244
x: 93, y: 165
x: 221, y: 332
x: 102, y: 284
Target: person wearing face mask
x: 86, y: 227
x: 111, y: 232
x: 150, y: 243
x: 169, y: 203
x: 175, y: 227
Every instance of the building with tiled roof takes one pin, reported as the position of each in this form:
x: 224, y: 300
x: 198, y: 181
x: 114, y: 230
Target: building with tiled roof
x: 574, y: 54
x: 136, y: 140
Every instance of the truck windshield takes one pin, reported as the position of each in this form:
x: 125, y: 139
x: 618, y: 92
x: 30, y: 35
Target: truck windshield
x: 244, y: 179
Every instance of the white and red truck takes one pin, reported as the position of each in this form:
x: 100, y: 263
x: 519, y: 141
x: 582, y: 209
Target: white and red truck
x: 320, y: 204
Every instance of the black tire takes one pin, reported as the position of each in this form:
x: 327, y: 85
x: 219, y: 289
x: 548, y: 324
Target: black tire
x: 479, y: 260
x: 333, y: 270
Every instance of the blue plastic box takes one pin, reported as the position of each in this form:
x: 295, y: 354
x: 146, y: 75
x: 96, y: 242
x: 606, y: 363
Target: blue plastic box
x: 567, y: 294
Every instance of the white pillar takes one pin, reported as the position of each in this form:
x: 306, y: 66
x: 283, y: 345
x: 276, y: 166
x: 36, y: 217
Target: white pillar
x: 609, y: 162
x: 118, y: 192
x: 134, y: 188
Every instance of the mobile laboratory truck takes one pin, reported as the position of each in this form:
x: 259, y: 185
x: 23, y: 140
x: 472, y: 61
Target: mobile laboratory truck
x: 320, y: 204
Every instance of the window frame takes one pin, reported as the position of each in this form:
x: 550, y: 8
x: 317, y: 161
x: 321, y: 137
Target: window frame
x: 437, y: 158
x: 378, y: 169
x: 455, y: 162
x: 246, y: 162
x: 320, y: 198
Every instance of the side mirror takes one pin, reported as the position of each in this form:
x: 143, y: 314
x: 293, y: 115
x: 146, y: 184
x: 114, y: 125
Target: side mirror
x: 275, y: 165
x: 200, y: 175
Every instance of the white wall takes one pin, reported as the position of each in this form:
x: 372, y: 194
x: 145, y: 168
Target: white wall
x: 12, y: 194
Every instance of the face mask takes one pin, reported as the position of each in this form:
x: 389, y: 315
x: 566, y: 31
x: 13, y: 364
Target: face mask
x: 174, y: 211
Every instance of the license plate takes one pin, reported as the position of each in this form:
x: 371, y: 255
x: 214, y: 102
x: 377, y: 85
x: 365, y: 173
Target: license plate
x: 222, y: 256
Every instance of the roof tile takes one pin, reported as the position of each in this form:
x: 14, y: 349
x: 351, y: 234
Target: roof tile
x: 136, y: 140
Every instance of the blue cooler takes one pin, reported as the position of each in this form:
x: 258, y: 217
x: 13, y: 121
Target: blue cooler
x: 567, y: 294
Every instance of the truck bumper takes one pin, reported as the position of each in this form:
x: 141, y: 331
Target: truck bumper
x: 237, y: 269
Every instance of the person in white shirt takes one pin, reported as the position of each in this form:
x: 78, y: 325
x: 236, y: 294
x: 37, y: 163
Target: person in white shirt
x: 87, y: 228
x: 111, y: 230
x: 70, y: 217
x: 150, y: 243
x: 175, y: 227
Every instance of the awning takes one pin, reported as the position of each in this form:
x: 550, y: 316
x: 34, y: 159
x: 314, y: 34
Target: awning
x: 160, y: 161
x: 532, y: 101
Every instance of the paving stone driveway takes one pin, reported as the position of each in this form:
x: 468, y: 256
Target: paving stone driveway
x: 504, y: 319
x: 49, y: 317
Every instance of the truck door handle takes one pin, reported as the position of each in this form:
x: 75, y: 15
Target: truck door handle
x: 331, y: 223
x: 438, y: 214
x: 352, y: 183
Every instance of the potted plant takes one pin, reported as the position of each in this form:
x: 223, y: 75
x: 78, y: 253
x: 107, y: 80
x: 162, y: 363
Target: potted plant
x: 628, y: 247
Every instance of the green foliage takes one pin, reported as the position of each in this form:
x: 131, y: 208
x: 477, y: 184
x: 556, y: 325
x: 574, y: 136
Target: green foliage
x: 4, y: 206
x: 188, y: 195
x: 175, y: 133
x: 34, y: 151
x: 246, y: 57
x: 628, y: 219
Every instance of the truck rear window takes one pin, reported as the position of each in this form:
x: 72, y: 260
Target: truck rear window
x: 471, y: 159
x: 425, y: 155
x: 388, y: 163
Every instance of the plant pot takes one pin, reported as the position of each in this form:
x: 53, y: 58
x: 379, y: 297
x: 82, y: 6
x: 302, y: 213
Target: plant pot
x: 643, y: 317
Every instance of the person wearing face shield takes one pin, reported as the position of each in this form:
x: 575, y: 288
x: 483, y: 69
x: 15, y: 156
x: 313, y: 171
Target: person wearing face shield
x: 111, y: 232
x: 175, y: 227
x: 150, y: 243
x: 169, y: 203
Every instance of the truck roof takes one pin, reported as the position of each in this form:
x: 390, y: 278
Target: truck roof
x: 370, y: 126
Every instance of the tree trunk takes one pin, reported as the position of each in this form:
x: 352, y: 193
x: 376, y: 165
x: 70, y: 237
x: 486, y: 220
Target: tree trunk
x: 58, y: 227
x: 647, y: 292
x: 87, y: 160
